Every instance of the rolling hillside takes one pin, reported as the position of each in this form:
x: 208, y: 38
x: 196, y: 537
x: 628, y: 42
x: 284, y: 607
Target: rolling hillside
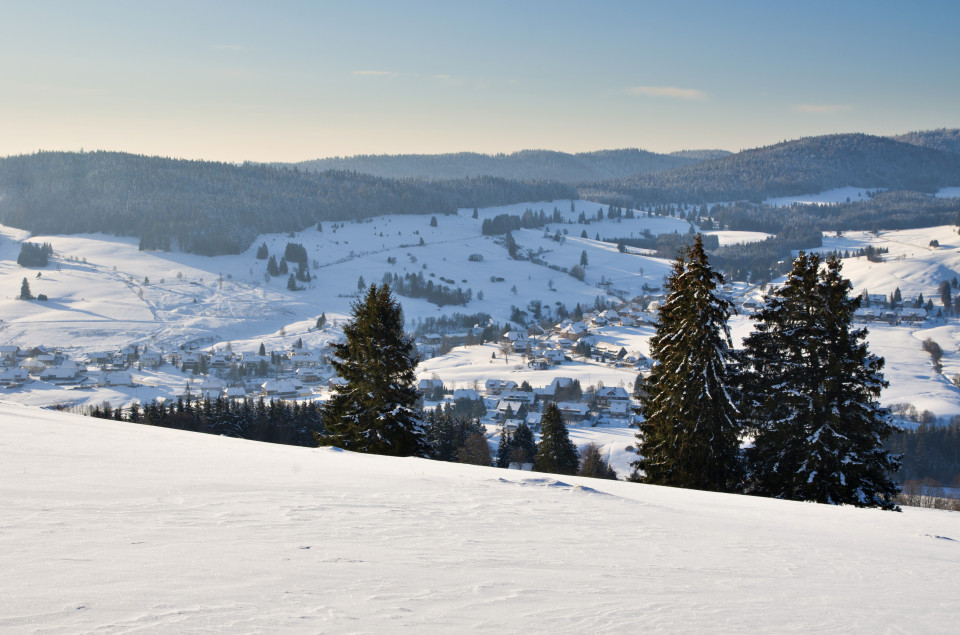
x: 804, y: 166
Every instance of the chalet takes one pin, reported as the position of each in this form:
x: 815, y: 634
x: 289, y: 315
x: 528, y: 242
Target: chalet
x: 533, y: 420
x: 304, y: 359
x: 151, y: 359
x: 547, y: 393
x: 333, y: 382
x: 466, y: 393
x: 913, y: 315
x: 564, y: 342
x: 68, y: 374
x: 554, y: 356
x: 510, y: 425
x: 573, y: 412
x: 611, y: 394
x: 279, y: 389
x: 308, y: 375
x: 8, y: 354
x: 189, y: 361
x: 611, y: 316
x: 129, y: 354
x: 430, y: 385
x: 608, y: 350
x: 235, y: 393
x: 218, y: 362
x: 497, y: 386
x: 619, y: 408
x: 117, y: 378
x: 518, y: 396
x: 212, y: 384
x: 10, y: 377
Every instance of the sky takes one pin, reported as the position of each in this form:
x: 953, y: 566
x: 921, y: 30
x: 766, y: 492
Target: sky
x: 289, y: 81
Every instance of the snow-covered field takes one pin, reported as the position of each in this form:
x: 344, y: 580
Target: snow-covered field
x: 114, y: 527
x: 829, y: 197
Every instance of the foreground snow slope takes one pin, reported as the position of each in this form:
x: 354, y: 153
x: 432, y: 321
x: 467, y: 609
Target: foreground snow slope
x: 113, y: 527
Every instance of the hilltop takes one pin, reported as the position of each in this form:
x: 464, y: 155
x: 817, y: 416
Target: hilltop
x: 802, y: 166
x: 115, y: 526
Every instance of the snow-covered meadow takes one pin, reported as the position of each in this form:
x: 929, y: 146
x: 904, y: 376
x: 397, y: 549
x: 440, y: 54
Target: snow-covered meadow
x: 115, y: 527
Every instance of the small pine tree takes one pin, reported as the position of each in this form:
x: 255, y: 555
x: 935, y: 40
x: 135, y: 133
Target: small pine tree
x: 593, y: 464
x: 584, y: 261
x: 524, y: 446
x: 262, y: 352
x: 262, y: 252
x: 292, y: 283
x: 25, y: 290
x: 272, y: 267
x: 284, y: 269
x: 555, y: 452
x: 504, y: 447
x: 433, y: 221
x: 321, y: 321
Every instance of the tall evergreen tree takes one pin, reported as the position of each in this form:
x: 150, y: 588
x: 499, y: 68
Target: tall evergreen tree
x: 375, y: 410
x: 811, y: 395
x: 556, y: 453
x: 690, y: 433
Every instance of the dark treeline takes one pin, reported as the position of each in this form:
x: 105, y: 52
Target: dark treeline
x: 34, y: 255
x: 930, y: 452
x: 414, y: 285
x: 665, y: 245
x: 452, y: 323
x: 503, y: 223
x: 803, y: 166
x: 526, y: 165
x: 214, y: 208
x: 289, y: 423
x: 883, y: 210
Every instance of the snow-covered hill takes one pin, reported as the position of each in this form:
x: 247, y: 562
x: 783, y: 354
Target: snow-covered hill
x: 114, y: 527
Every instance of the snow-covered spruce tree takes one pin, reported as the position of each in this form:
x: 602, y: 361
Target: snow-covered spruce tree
x: 555, y: 452
x: 811, y: 390
x: 375, y: 410
x: 690, y: 433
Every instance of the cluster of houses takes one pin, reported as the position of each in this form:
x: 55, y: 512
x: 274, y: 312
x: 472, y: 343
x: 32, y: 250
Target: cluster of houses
x: 543, y: 348
x: 507, y: 405
x: 19, y: 366
x: 283, y: 374
x: 877, y: 307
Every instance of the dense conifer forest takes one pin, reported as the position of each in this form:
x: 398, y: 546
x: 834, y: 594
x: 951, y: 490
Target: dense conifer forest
x: 803, y: 166
x: 219, y: 208
x: 524, y: 165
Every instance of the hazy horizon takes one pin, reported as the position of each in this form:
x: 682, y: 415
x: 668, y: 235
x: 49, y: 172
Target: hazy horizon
x: 295, y: 81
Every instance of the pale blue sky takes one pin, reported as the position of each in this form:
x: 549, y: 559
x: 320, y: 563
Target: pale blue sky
x: 285, y: 81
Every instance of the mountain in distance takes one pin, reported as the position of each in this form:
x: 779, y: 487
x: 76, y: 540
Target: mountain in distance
x: 946, y: 139
x: 526, y: 165
x: 803, y: 166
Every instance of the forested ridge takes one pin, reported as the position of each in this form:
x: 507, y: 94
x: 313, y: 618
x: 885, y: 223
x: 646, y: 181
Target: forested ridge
x: 525, y: 165
x: 803, y: 166
x: 219, y: 208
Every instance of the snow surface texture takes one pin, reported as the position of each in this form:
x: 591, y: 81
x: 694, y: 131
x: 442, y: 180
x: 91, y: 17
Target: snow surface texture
x: 114, y: 527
